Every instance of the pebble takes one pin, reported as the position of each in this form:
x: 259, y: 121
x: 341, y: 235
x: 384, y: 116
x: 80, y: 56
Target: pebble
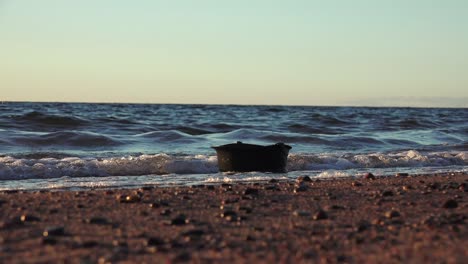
x: 228, y: 213
x: 154, y: 241
x: 320, y: 215
x: 301, y: 213
x: 49, y: 241
x: 407, y: 187
x: 273, y: 181
x: 132, y: 198
x: 154, y: 205
x: 128, y: 198
x: 230, y: 200
x: 194, y: 234
x: 251, y: 191
x: 463, y: 187
x: 402, y: 174
x: 181, y: 219
x: 226, y: 185
x: 246, y: 209
x: 54, y: 231
x: 98, y: 221
x: 450, y: 204
x: 387, y: 193
x: 119, y: 243
x: 302, y: 187
x: 433, y: 185
x: 166, y: 212
x: 29, y: 218
x: 303, y: 179
x: 363, y: 226
x: 392, y: 214
x: 356, y: 183
x: 369, y: 176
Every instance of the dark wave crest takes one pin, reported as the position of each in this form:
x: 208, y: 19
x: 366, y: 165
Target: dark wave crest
x: 169, y: 136
x: 193, y: 130
x: 67, y: 138
x: 39, y: 118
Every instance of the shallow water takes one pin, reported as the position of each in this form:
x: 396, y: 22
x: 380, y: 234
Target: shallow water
x: 63, y: 145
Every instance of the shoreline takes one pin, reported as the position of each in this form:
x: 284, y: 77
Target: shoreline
x: 388, y: 219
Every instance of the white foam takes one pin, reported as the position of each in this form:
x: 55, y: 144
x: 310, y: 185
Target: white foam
x: 21, y: 168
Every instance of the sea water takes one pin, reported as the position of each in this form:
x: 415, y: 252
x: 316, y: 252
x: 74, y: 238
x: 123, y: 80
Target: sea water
x: 75, y: 146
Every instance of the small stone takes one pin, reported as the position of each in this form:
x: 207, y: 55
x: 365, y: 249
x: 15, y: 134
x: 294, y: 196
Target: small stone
x: 301, y: 213
x: 337, y: 207
x: 54, y: 231
x: 250, y: 238
x: 132, y: 198
x: 433, y: 185
x: 407, y: 187
x: 98, y: 221
x: 450, y: 204
x: 119, y: 243
x: 463, y: 187
x: 387, y: 193
x: 193, y: 234
x: 392, y: 214
x: 154, y: 205
x: 154, y: 241
x: 363, y: 226
x: 273, y: 181
x: 302, y: 187
x: 230, y: 200
x: 356, y: 184
x: 49, y: 241
x: 246, y: 209
x: 180, y: 220
x: 369, y: 176
x: 251, y: 191
x: 228, y: 213
x: 210, y: 187
x: 303, y: 179
x: 29, y: 218
x: 320, y: 215
x: 402, y: 174
x: 166, y: 212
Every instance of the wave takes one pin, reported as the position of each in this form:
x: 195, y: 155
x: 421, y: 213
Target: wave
x: 14, y: 168
x: 169, y: 136
x: 66, y: 138
x: 193, y: 130
x: 302, y: 128
x: 38, y: 118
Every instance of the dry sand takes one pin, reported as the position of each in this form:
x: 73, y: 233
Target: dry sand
x: 416, y: 219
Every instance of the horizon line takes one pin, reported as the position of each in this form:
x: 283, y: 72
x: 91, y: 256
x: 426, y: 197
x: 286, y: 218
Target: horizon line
x: 234, y: 104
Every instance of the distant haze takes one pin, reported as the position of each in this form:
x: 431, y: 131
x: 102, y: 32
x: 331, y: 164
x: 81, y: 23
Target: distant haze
x: 363, y: 52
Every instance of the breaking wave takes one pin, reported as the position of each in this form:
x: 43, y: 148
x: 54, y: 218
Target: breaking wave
x: 55, y: 166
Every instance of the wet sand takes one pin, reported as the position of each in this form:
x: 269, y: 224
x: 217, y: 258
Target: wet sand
x: 415, y: 219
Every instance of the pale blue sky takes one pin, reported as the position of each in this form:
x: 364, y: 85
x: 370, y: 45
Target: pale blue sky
x: 411, y: 52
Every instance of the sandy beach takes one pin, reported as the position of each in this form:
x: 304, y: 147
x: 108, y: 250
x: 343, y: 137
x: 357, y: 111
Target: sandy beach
x: 397, y: 219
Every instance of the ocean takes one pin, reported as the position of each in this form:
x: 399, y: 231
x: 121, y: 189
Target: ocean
x: 75, y: 146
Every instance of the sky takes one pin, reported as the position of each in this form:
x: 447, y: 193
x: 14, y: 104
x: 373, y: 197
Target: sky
x: 330, y: 52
